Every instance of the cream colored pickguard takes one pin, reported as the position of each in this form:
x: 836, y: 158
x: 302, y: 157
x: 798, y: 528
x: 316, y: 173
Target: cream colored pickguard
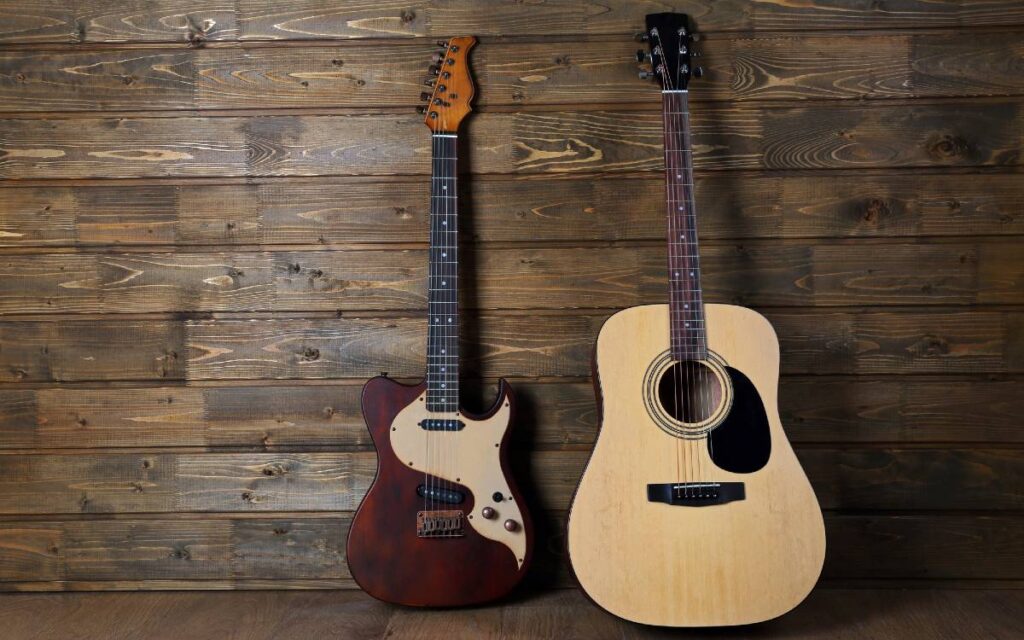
x: 470, y: 457
x: 736, y: 563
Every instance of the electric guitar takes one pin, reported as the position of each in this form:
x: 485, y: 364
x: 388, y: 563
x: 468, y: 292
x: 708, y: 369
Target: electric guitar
x: 443, y: 523
x: 693, y: 509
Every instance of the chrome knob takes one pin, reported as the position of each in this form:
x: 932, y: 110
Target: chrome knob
x: 488, y: 512
x: 511, y: 525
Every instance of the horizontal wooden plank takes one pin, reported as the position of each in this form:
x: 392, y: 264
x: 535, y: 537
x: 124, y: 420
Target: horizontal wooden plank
x: 759, y: 68
x: 805, y: 137
x: 351, y: 211
x: 860, y: 409
x: 196, y: 22
x: 297, y: 548
x: 754, y: 273
x: 496, y: 345
x: 851, y: 478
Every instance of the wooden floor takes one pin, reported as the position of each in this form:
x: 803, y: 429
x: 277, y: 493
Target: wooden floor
x: 832, y: 614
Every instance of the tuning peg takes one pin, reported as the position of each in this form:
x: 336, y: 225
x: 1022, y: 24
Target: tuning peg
x: 646, y: 75
x: 424, y: 96
x: 430, y: 81
x: 437, y: 57
x: 422, y: 110
x: 699, y: 72
x: 442, y: 43
x: 433, y: 70
x: 642, y: 37
x: 642, y: 56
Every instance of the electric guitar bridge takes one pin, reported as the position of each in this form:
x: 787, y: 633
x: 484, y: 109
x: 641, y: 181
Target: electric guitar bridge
x: 440, y: 524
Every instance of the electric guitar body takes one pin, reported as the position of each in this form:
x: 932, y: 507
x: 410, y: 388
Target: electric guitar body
x: 693, y: 510
x: 443, y: 523
x: 388, y: 556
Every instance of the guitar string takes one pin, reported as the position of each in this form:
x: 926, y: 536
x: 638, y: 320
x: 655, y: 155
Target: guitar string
x: 675, y: 369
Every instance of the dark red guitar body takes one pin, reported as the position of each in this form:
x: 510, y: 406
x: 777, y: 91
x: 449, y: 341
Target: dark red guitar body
x: 385, y: 555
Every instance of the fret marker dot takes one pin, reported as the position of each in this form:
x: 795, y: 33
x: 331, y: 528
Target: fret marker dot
x: 686, y: 306
x: 444, y: 255
x: 443, y: 369
x: 443, y: 385
x: 691, y: 273
x: 444, y: 283
x: 449, y: 319
x: 444, y: 224
x: 445, y: 187
x: 443, y: 351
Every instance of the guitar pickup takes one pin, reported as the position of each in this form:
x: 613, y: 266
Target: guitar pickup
x: 696, y: 494
x: 438, y: 494
x: 440, y: 524
x: 442, y: 424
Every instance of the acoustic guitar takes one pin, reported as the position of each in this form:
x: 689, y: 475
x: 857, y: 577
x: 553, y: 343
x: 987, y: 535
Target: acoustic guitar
x: 443, y: 523
x: 693, y: 509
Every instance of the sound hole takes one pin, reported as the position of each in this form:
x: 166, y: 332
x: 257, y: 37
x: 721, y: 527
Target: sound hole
x: 689, y: 391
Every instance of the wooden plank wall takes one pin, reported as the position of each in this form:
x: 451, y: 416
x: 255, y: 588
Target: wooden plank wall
x: 212, y: 219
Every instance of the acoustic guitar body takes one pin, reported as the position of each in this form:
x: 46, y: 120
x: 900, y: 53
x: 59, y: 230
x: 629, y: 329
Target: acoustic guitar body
x: 389, y: 556
x: 671, y: 528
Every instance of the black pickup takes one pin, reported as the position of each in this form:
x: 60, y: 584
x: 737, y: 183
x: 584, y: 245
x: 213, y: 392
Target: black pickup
x: 442, y: 424
x: 696, y: 494
x: 440, y: 494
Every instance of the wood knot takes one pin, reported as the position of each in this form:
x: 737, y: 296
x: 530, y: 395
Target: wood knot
x: 947, y: 146
x: 407, y: 16
x: 316, y: 273
x: 230, y: 226
x: 304, y: 83
x: 932, y: 346
x: 54, y: 549
x: 147, y: 464
x: 337, y: 62
x: 82, y: 422
x: 295, y: 268
x: 955, y: 205
x: 235, y: 273
x: 328, y: 412
x: 518, y: 96
x: 128, y: 80
x: 247, y: 496
x: 181, y: 553
x: 280, y: 531
x: 309, y: 354
x: 402, y: 213
x: 138, y: 487
x: 875, y: 208
x: 563, y: 61
x: 275, y: 469
x: 20, y: 77
x: 360, y: 82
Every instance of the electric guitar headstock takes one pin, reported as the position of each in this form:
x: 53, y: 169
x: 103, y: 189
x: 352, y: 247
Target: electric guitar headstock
x: 448, y: 101
x: 670, y: 40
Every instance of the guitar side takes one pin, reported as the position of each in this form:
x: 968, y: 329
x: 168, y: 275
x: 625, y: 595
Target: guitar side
x: 740, y: 562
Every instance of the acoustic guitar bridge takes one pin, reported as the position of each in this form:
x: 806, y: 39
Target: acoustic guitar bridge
x: 696, y: 494
x: 440, y: 524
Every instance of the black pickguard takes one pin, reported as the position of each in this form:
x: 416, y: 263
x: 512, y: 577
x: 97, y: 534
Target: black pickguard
x: 743, y: 442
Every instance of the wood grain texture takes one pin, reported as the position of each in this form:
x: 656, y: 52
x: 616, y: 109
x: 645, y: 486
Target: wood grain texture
x: 575, y: 209
x: 197, y: 22
x: 945, y: 134
x: 297, y: 547
x: 874, y: 342
x: 863, y: 614
x: 847, y: 409
x: 166, y: 165
x: 770, y: 273
x: 785, y: 67
x: 103, y: 483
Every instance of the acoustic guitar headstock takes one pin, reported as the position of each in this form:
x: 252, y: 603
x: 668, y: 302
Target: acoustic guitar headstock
x: 448, y: 102
x: 670, y: 40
